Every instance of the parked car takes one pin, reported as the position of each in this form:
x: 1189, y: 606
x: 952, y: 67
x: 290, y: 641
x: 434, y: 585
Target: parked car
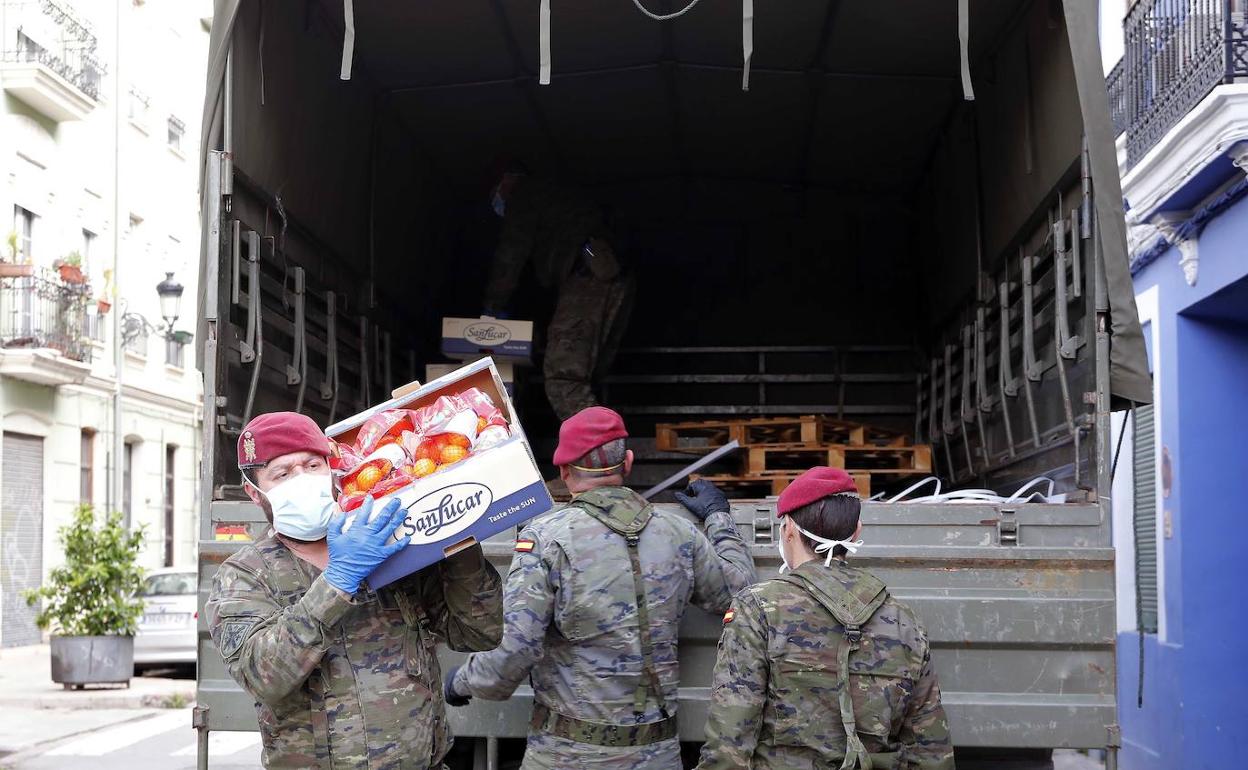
x: 167, y: 630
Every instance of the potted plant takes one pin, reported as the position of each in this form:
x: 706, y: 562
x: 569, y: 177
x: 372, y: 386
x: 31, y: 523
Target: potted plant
x: 70, y: 268
x: 9, y: 268
x: 103, y: 305
x: 91, y: 603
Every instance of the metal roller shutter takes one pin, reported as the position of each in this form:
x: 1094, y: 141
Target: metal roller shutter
x: 21, y: 535
x: 1145, y: 477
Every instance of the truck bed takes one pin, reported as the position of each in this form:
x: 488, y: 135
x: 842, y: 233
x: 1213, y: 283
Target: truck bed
x: 1022, y: 632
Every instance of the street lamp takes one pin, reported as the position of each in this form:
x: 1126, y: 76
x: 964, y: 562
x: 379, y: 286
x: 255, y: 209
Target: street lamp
x: 170, y: 292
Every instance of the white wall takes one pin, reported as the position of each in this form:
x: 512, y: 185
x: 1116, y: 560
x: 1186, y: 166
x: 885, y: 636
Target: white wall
x: 64, y: 172
x: 1112, y: 13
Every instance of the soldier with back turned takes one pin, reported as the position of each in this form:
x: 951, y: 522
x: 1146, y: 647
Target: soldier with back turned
x: 821, y: 667
x: 592, y: 609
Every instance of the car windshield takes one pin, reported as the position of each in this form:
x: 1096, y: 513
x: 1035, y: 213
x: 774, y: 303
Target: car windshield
x: 174, y: 584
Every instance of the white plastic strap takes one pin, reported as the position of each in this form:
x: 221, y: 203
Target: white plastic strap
x: 543, y: 42
x: 1034, y: 482
x: 348, y: 38
x: 964, y: 44
x: 901, y: 495
x: 747, y: 41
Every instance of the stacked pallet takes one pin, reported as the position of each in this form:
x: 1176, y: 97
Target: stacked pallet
x: 778, y: 449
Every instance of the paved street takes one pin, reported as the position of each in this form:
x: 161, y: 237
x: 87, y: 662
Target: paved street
x: 162, y: 740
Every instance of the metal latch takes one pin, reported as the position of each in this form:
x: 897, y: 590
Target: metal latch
x: 1007, y: 528
x: 764, y: 520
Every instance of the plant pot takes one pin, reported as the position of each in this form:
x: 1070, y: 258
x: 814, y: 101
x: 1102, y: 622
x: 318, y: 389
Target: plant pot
x: 102, y: 306
x: 82, y: 660
x: 70, y: 273
x: 8, y: 270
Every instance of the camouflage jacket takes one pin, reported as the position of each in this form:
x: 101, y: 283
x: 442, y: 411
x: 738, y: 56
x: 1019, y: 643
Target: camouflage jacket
x: 775, y: 695
x: 571, y: 622
x: 349, y: 681
x: 546, y: 223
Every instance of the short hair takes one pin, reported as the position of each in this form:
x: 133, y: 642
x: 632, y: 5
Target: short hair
x: 834, y: 517
x: 603, y: 462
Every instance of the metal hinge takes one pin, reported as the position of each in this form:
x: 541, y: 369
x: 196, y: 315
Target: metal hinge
x: 1007, y: 528
x: 764, y: 519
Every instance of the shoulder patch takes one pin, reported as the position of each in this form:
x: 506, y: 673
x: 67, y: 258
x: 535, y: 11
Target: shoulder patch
x: 729, y: 615
x: 233, y: 634
x: 525, y: 546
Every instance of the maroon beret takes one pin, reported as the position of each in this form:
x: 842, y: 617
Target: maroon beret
x: 587, y: 430
x: 815, y: 484
x: 279, y: 433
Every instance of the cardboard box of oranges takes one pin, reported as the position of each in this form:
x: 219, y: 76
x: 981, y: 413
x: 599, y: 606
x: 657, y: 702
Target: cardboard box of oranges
x: 453, y: 453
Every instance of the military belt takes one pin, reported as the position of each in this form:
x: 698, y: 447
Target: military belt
x: 601, y: 733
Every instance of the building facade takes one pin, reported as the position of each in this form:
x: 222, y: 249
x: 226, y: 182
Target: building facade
x: 1179, y: 96
x: 61, y: 139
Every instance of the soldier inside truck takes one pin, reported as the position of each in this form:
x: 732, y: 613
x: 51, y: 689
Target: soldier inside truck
x: 851, y: 237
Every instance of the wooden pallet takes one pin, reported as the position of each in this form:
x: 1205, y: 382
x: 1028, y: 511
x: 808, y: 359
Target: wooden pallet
x: 809, y: 430
x: 772, y: 485
x: 773, y: 459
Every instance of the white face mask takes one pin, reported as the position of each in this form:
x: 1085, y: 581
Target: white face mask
x: 302, y: 506
x: 824, y: 544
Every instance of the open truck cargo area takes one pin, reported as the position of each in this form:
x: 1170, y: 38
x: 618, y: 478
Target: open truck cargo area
x: 850, y: 236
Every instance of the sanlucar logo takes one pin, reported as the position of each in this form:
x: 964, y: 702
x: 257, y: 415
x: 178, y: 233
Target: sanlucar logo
x: 487, y: 334
x: 446, y: 511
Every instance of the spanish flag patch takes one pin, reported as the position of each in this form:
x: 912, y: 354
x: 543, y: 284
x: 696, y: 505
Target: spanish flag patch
x: 728, y: 616
x: 524, y: 546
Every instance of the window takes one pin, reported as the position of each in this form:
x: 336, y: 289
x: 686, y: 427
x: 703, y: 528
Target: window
x: 171, y: 455
x: 176, y: 130
x: 138, y: 105
x: 88, y: 241
x: 136, y: 222
x: 86, y: 467
x: 1144, y: 476
x: 24, y: 228
x: 127, y: 475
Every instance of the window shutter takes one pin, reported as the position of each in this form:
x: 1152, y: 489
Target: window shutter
x: 1145, y: 477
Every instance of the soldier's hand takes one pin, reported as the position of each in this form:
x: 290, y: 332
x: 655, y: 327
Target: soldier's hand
x: 355, y: 553
x: 703, y: 498
x: 453, y: 698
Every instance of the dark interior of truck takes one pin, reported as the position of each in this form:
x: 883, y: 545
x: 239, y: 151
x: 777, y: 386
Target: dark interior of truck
x: 808, y: 245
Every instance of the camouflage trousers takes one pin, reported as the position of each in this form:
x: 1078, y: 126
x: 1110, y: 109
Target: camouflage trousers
x: 590, y: 319
x: 550, y: 752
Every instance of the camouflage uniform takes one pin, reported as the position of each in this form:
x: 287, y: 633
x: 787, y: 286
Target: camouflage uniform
x: 349, y: 682
x: 775, y: 699
x: 548, y: 224
x: 572, y: 624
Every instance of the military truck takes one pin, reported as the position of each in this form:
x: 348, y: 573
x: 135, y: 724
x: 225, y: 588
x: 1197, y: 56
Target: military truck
x: 906, y: 214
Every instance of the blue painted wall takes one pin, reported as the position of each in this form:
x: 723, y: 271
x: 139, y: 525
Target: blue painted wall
x: 1196, y: 671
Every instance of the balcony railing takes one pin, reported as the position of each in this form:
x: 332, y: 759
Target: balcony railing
x: 40, y: 311
x: 1177, y: 51
x: 48, y: 33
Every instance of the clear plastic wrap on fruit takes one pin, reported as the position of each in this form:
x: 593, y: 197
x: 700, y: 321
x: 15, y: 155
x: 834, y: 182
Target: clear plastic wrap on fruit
x: 382, y: 428
x: 483, y: 406
x: 490, y: 437
x: 343, y: 458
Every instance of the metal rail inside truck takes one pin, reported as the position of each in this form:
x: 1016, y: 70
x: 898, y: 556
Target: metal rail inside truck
x: 851, y: 235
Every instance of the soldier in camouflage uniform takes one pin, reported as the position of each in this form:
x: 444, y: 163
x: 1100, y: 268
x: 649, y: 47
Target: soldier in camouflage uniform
x: 593, y: 605
x: 344, y: 676
x: 565, y: 236
x: 821, y: 653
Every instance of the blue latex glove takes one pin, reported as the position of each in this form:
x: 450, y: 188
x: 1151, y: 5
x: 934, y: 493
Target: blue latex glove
x: 354, y: 554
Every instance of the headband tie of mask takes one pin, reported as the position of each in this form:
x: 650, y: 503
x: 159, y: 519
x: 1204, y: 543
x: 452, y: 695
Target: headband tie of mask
x: 825, y: 545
